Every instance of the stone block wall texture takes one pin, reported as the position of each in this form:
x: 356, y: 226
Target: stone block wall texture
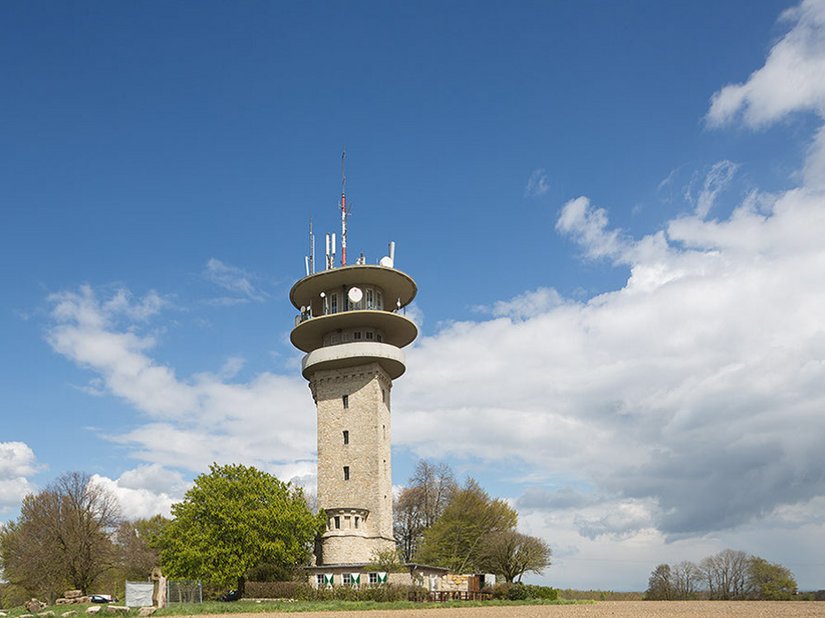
x: 367, y: 455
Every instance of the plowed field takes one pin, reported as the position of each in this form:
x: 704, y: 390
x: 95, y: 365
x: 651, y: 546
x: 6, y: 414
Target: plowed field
x: 603, y: 609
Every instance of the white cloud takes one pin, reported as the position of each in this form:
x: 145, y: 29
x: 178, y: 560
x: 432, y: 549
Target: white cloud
x: 538, y: 184
x: 790, y: 80
x: 703, y: 376
x: 524, y: 305
x: 589, y: 227
x: 686, y: 404
x: 716, y: 180
x: 267, y: 421
x: 145, y: 491
x: 17, y: 465
x: 234, y: 280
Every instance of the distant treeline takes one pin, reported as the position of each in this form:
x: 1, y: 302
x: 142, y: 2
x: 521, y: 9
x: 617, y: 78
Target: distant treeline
x: 599, y: 595
x: 730, y: 575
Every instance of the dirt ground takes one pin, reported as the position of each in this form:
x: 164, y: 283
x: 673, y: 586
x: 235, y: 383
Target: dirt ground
x: 603, y: 609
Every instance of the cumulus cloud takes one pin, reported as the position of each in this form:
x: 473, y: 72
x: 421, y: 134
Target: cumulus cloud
x: 538, y: 184
x: 704, y: 375
x: 190, y: 422
x: 145, y: 491
x: 590, y: 228
x: 688, y: 401
x: 17, y: 465
x: 790, y: 80
x: 524, y: 305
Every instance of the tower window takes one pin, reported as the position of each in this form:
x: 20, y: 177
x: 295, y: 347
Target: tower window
x: 356, y: 335
x: 346, y: 437
x: 345, y: 400
x: 378, y: 338
x: 333, y: 303
x: 369, y: 334
x: 337, y: 519
x: 346, y: 473
x: 384, y: 395
x: 355, y: 521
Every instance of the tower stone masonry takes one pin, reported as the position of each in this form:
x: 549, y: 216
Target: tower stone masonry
x: 352, y: 329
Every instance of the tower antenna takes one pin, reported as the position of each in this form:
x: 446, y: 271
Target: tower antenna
x: 311, y: 249
x: 343, y: 209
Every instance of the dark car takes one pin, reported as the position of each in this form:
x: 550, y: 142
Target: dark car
x: 102, y: 598
x: 232, y: 595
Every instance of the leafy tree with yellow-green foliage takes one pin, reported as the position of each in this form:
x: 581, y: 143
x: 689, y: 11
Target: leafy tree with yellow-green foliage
x: 457, y: 538
x: 233, y: 519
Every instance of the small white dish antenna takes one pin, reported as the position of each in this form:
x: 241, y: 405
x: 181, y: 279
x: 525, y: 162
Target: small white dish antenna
x: 355, y: 295
x: 386, y: 262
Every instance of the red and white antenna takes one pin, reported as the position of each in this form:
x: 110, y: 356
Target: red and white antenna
x: 344, y: 212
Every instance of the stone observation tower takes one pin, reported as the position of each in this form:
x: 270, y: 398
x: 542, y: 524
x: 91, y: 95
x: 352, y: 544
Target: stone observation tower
x: 352, y: 330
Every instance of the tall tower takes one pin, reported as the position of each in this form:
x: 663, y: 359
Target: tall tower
x: 352, y: 331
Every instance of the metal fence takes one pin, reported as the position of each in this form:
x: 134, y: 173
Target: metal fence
x: 184, y: 591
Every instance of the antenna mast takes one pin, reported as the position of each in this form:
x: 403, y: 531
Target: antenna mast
x: 311, y: 249
x: 343, y: 210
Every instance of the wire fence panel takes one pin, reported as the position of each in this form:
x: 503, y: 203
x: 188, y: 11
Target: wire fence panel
x: 184, y: 591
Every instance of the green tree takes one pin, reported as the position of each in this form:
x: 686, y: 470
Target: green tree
x: 768, y: 581
x: 62, y: 537
x: 235, y: 518
x: 511, y: 554
x: 455, y: 540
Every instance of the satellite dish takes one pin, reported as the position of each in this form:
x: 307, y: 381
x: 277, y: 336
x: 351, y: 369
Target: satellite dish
x: 385, y: 261
x: 355, y: 295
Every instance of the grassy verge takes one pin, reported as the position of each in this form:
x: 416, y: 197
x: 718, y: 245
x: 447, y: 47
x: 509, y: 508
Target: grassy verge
x: 287, y: 606
x: 332, y: 605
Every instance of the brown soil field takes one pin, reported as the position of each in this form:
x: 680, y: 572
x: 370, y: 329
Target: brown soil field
x: 602, y: 609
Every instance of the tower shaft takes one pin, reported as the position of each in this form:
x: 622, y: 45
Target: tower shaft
x: 352, y: 332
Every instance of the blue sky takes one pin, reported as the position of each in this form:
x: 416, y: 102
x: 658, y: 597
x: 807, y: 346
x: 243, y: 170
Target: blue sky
x: 611, y: 210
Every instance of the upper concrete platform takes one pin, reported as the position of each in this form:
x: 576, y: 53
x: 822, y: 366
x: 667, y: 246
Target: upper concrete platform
x: 396, y: 285
x: 397, y: 330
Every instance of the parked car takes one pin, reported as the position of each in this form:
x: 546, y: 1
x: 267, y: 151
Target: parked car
x: 102, y: 598
x: 232, y: 595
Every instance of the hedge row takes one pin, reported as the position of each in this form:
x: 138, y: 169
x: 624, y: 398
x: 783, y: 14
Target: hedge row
x: 304, y: 592
x: 518, y: 592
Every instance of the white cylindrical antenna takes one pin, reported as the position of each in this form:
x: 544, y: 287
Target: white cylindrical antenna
x: 343, y: 210
x: 333, y: 246
x: 327, y: 254
x: 311, y: 249
x: 306, y: 264
x: 392, y: 251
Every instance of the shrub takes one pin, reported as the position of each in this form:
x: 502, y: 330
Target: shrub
x: 276, y: 590
x: 542, y: 592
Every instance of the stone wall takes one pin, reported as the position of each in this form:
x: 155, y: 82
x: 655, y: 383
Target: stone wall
x: 367, y: 456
